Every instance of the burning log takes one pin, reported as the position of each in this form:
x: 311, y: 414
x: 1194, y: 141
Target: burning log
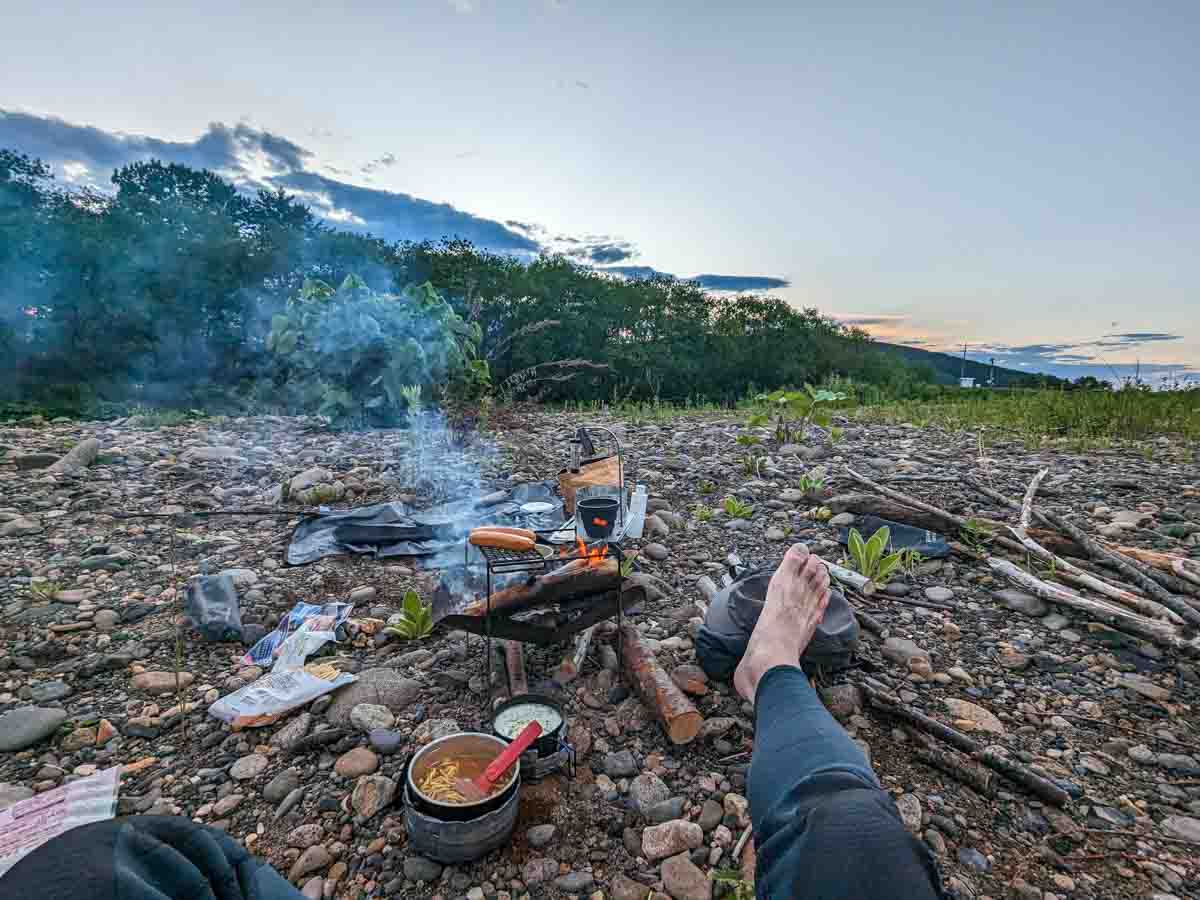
x: 680, y: 719
x: 577, y: 578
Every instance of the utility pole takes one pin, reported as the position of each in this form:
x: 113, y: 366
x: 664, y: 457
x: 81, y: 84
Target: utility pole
x: 963, y: 373
x: 992, y: 377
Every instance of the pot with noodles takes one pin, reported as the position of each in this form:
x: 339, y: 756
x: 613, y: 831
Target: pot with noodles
x: 438, y: 770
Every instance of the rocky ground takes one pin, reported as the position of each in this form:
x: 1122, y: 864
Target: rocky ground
x: 87, y: 612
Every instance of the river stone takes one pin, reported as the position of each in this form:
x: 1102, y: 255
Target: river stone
x: 971, y: 712
x: 670, y: 838
x: 22, y: 728
x: 418, y: 868
x: 1183, y: 827
x: 156, y: 683
x: 384, y: 687
x: 910, y: 811
x: 620, y: 764
x: 280, y: 786
x: 47, y: 691
x: 901, y: 650
x: 645, y: 791
x: 371, y: 794
x: 310, y: 860
x: 359, y: 761
x: 248, y: 767
x: 540, y: 835
x: 371, y: 716
x: 939, y: 594
x: 1021, y: 602
x: 684, y: 880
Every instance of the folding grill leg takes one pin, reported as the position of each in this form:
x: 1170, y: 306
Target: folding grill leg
x: 487, y: 627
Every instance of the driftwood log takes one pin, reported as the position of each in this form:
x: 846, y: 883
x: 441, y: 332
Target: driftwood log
x: 1111, y: 558
x: 1162, y: 633
x: 577, y: 578
x: 679, y: 718
x: 571, y: 665
x: 1042, y: 788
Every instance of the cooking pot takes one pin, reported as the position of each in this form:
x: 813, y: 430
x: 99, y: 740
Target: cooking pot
x: 598, y: 515
x: 465, y: 743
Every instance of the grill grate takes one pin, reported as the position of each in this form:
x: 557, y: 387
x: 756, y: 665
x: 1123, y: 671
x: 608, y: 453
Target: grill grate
x: 502, y: 555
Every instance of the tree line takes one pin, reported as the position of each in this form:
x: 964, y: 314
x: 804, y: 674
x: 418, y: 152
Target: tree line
x: 165, y: 291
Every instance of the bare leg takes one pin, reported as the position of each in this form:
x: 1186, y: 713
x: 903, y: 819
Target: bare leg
x: 795, y: 605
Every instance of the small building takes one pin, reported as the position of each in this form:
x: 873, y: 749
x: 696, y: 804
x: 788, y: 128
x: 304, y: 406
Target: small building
x: 966, y: 382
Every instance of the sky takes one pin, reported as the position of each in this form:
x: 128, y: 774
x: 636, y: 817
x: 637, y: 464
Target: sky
x: 1018, y: 177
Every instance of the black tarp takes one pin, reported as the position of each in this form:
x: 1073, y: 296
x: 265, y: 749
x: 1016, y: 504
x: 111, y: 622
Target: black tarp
x: 394, y: 529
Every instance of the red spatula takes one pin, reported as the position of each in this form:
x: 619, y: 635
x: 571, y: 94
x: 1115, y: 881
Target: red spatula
x: 476, y: 789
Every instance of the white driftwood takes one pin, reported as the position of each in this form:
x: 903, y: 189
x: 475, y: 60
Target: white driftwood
x: 1158, y: 632
x: 571, y: 665
x: 860, y: 583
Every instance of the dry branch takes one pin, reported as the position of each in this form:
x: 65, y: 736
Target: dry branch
x: 514, y: 662
x: 679, y: 718
x: 1041, y: 787
x: 1153, y: 630
x: 1097, y: 551
x: 972, y: 774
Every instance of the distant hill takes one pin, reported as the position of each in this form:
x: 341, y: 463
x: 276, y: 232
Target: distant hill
x: 947, y: 368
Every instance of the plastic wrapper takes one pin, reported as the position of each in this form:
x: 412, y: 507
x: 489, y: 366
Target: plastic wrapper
x: 271, y: 697
x: 27, y: 824
x: 211, y: 607
x: 320, y: 623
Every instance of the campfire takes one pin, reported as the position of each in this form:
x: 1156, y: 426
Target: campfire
x: 593, y: 556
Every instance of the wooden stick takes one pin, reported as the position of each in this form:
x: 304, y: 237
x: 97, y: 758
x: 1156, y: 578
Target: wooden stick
x: 1067, y: 571
x: 1030, y: 493
x: 859, y: 582
x: 1095, y: 550
x: 1034, y: 783
x: 571, y: 665
x: 1158, y: 632
x: 514, y: 662
x: 1150, y: 736
x: 973, y: 775
x: 679, y: 718
x: 957, y: 523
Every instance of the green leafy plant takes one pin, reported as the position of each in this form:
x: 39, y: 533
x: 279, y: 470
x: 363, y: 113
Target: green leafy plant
x: 836, y: 434
x: 736, y: 509
x: 796, y: 410
x: 810, y: 483
x: 732, y: 883
x: 706, y: 487
x: 45, y: 590
x: 415, y: 618
x: 868, y: 556
x: 909, y: 560
x: 626, y: 568
x: 975, y: 535
x: 702, y: 512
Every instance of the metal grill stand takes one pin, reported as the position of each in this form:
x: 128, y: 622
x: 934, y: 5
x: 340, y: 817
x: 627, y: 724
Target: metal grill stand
x: 499, y: 561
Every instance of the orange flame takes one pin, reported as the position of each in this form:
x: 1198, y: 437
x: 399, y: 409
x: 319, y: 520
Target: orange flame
x: 593, y: 555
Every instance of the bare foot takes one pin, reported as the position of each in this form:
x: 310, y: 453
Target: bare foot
x: 796, y: 601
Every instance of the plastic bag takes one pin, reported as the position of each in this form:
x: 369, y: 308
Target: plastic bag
x: 211, y: 607
x: 322, y: 621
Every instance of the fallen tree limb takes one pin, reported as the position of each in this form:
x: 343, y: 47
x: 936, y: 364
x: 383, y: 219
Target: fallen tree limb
x: 569, y: 668
x: 859, y: 582
x: 948, y: 521
x: 1154, y: 630
x: 1042, y: 788
x: 679, y: 718
x: 1095, y: 550
x: 972, y: 774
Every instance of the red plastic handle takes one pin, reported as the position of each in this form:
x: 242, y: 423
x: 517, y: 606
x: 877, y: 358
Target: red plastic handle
x: 512, y: 752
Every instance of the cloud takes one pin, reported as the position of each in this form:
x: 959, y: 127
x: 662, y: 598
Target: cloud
x: 401, y: 217
x: 388, y: 159
x: 865, y: 319
x: 242, y: 152
x: 603, y: 250
x: 253, y: 158
x: 740, y: 282
x: 1136, y: 338
x: 733, y: 283
x: 463, y: 7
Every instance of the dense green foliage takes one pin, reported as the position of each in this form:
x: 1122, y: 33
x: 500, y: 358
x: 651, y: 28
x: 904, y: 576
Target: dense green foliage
x: 176, y: 289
